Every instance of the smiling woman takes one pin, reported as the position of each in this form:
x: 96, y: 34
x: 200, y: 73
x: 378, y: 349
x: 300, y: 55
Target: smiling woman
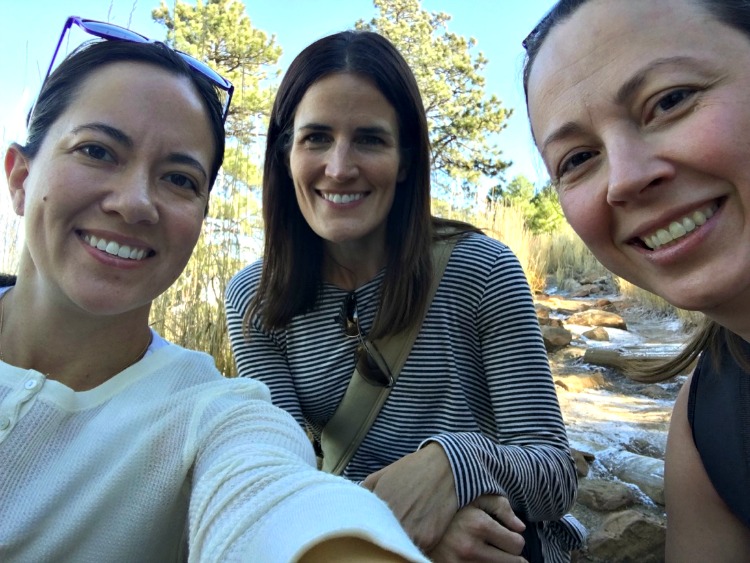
x: 466, y: 441
x: 645, y: 133
x: 121, y: 445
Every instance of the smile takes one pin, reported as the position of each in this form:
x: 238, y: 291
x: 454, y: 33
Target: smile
x: 678, y: 229
x: 342, y: 198
x: 115, y: 249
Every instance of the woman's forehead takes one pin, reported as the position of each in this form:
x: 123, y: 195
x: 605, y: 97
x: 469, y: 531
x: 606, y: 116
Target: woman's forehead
x: 604, y: 44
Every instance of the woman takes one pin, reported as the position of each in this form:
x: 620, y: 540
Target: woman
x: 346, y: 202
x: 644, y: 129
x: 114, y: 444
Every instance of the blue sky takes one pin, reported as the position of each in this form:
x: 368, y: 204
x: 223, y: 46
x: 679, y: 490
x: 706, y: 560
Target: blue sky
x: 31, y: 28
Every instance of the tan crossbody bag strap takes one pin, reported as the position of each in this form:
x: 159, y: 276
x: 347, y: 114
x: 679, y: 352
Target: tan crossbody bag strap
x: 362, y: 401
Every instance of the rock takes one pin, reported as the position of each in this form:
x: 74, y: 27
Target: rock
x: 624, y: 359
x: 642, y: 447
x: 568, y: 354
x: 647, y: 473
x: 586, y: 290
x: 629, y: 536
x: 566, y: 306
x: 657, y: 392
x: 583, y: 461
x: 597, y: 317
x: 555, y: 337
x: 579, y: 382
x: 605, y: 496
x: 604, y: 305
x: 598, y: 334
x: 542, y: 311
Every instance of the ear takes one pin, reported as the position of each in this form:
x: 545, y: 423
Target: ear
x: 16, y: 172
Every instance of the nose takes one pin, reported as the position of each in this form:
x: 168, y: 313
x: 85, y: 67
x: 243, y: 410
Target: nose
x: 635, y: 168
x: 131, y: 196
x: 341, y: 165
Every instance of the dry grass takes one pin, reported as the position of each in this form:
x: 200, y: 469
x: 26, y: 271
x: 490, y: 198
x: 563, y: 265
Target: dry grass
x: 569, y: 259
x: 507, y: 225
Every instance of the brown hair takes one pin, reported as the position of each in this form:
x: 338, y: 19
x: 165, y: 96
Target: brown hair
x: 293, y: 255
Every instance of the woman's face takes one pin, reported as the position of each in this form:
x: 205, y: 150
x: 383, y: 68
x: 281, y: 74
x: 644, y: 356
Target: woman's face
x: 113, y: 202
x: 641, y: 110
x: 344, y: 159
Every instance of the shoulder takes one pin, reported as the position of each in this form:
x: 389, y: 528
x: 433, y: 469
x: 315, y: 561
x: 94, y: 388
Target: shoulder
x: 181, y: 384
x: 701, y: 527
x: 482, y: 248
x: 477, y: 254
x: 244, y: 283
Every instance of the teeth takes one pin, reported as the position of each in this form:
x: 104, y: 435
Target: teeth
x: 111, y: 247
x: 678, y: 229
x: 342, y: 198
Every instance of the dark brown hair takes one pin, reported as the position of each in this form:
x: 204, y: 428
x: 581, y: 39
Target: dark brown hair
x: 293, y: 256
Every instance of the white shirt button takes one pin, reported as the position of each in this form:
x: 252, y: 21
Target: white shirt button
x: 31, y: 384
x: 4, y: 422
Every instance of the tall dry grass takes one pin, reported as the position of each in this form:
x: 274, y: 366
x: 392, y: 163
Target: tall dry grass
x: 191, y: 312
x: 507, y: 225
x: 568, y: 259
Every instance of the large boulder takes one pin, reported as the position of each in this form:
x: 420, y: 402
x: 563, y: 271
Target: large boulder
x: 628, y: 536
x: 647, y: 473
x: 597, y: 317
x: 555, y: 337
x: 605, y: 496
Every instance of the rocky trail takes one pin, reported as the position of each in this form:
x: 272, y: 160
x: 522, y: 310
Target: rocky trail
x: 617, y: 427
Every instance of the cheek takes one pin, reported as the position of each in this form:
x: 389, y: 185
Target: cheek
x: 581, y: 214
x: 186, y: 229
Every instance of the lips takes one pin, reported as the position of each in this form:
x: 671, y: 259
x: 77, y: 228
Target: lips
x: 116, y: 249
x: 679, y: 228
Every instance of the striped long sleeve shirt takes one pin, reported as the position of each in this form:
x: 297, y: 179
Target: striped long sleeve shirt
x: 477, y: 381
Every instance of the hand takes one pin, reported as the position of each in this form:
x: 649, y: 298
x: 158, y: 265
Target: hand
x: 486, y: 531
x: 419, y: 488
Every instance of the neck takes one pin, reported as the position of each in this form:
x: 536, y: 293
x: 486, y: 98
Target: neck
x: 79, y: 351
x: 351, y: 264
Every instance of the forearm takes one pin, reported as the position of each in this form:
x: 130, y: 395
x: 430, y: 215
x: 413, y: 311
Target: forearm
x: 539, y: 480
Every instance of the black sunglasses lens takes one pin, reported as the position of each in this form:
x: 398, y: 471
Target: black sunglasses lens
x: 108, y: 31
x: 348, y: 309
x: 205, y: 70
x: 370, y: 370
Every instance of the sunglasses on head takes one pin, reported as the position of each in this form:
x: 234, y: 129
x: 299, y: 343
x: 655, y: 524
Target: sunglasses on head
x: 370, y: 363
x: 113, y: 32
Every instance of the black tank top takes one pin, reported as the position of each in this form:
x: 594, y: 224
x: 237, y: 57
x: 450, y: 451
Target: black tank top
x: 719, y: 415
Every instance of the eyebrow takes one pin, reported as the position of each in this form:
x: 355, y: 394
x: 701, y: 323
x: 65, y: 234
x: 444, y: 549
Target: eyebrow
x: 116, y: 134
x: 369, y: 130
x: 632, y: 85
x: 623, y: 94
x: 121, y: 137
x: 182, y: 158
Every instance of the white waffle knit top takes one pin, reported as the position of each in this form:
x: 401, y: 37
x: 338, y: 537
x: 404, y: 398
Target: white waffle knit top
x: 167, y: 461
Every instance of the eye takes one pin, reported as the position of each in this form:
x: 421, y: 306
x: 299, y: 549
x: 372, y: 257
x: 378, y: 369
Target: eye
x: 181, y: 181
x: 671, y: 100
x: 316, y: 139
x: 574, y: 161
x: 96, y: 152
x: 370, y: 140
